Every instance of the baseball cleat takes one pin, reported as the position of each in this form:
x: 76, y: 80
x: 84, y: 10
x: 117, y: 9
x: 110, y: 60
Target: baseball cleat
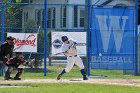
x: 85, y: 77
x: 10, y: 78
x: 15, y: 78
x: 58, y: 77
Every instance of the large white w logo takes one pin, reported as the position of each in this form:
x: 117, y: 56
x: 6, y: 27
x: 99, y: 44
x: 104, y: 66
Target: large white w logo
x: 112, y: 23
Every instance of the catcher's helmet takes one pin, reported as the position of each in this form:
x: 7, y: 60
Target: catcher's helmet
x: 64, y: 38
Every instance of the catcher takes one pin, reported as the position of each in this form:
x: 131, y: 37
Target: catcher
x: 13, y: 65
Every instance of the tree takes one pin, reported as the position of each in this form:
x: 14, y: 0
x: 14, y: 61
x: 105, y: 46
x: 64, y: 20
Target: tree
x: 13, y: 1
x: 18, y: 1
x: 13, y: 16
x: 30, y: 26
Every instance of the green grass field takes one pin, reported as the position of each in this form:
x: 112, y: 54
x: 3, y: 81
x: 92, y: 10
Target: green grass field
x: 53, y: 71
x: 70, y: 87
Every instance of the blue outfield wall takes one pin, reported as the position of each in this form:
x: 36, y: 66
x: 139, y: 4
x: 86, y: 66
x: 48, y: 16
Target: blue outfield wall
x: 112, y: 38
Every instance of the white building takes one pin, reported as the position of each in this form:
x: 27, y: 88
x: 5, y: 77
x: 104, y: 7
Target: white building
x: 61, y: 16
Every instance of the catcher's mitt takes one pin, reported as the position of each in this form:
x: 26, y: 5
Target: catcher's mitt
x: 31, y: 63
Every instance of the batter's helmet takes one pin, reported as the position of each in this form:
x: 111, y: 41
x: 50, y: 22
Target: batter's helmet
x: 64, y: 38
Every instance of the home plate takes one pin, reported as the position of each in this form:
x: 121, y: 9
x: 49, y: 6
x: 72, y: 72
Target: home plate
x: 75, y: 79
x: 15, y: 87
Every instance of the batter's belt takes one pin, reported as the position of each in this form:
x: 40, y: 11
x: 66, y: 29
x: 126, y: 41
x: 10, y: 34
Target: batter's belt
x: 73, y: 56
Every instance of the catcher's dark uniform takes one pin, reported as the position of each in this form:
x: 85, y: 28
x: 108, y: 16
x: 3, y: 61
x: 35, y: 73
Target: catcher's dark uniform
x: 13, y: 64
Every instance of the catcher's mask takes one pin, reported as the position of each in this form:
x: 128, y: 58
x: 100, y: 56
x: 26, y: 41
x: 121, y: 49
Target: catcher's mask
x: 19, y: 55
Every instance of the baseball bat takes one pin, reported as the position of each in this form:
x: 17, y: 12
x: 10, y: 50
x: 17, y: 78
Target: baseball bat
x: 59, y: 53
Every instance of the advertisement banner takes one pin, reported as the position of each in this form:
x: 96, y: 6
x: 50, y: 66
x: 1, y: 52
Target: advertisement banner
x: 79, y: 37
x: 24, y: 42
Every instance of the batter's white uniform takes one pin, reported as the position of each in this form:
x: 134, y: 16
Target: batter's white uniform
x: 72, y: 56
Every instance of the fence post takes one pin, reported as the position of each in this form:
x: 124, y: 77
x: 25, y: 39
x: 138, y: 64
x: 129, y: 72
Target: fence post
x: 45, y: 37
x: 88, y: 4
x: 2, y: 31
x: 136, y: 38
x: 2, y: 22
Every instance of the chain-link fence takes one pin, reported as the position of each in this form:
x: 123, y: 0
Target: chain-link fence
x: 19, y: 19
x: 107, y: 48
x: 57, y: 18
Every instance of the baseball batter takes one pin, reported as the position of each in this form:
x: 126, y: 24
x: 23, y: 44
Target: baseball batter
x: 70, y: 51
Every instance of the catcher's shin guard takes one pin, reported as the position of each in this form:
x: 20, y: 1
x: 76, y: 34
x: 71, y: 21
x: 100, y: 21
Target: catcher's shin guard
x: 20, y: 71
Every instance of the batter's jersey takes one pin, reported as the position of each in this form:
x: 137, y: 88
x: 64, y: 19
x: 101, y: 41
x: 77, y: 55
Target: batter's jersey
x: 70, y: 48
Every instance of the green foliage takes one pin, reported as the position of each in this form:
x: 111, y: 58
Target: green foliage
x: 12, y: 15
x: 18, y: 1
x: 30, y: 26
x: 5, y: 0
